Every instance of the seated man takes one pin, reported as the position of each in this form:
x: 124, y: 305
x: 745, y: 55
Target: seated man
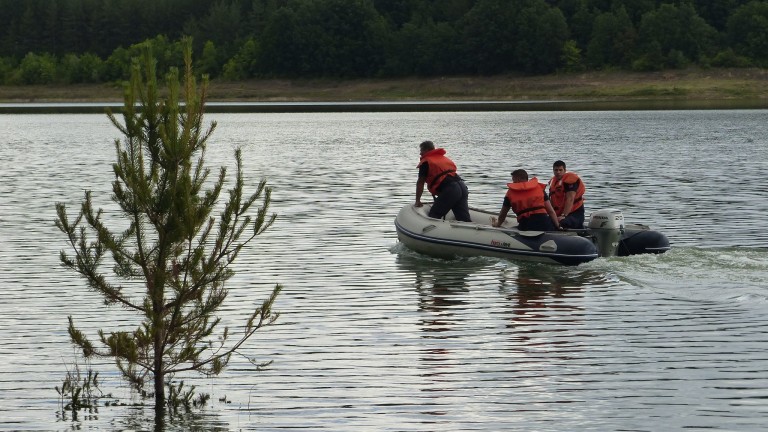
x: 566, y: 191
x: 529, y: 202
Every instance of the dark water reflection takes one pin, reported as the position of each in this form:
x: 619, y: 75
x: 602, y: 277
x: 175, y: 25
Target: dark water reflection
x: 375, y: 337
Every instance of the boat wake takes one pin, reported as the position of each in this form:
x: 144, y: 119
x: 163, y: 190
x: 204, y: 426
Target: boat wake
x: 719, y: 274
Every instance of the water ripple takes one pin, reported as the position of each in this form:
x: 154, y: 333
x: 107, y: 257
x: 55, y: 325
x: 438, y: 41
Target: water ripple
x: 373, y: 336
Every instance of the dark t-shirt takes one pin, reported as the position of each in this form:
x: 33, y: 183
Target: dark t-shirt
x: 423, y: 169
x: 571, y: 187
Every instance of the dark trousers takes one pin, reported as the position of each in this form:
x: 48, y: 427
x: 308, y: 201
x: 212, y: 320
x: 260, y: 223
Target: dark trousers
x: 537, y: 222
x: 452, y: 196
x: 574, y: 219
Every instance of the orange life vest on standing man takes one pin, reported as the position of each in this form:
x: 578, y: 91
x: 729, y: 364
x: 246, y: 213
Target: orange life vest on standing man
x: 526, y: 198
x: 440, y: 167
x: 557, y: 192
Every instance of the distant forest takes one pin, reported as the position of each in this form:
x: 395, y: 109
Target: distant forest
x: 92, y: 41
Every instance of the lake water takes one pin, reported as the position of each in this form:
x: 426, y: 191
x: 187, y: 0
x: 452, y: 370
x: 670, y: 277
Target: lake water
x: 373, y: 337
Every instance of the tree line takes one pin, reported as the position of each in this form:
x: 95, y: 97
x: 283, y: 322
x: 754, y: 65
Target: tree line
x: 92, y: 41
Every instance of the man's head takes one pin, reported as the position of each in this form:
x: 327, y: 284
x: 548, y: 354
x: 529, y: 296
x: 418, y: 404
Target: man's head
x: 558, y: 168
x: 519, y: 176
x: 426, y: 146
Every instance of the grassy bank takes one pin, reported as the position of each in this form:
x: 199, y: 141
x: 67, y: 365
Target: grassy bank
x: 710, y: 84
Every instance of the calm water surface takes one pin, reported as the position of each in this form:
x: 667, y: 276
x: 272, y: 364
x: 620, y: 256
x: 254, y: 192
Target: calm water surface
x: 373, y: 337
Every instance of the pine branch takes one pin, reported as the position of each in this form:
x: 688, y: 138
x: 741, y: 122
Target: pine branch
x: 173, y: 245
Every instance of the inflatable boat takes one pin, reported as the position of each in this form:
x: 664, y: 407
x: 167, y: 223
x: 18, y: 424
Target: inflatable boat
x: 605, y: 234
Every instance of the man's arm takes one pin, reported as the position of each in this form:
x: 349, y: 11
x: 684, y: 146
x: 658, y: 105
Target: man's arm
x: 502, y: 216
x: 551, y: 213
x: 569, y: 197
x: 420, y: 190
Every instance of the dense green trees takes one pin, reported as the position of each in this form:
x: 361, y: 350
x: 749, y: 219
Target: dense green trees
x: 748, y: 31
x: 613, y: 40
x: 500, y: 36
x: 65, y: 41
x: 343, y: 38
x: 678, y: 34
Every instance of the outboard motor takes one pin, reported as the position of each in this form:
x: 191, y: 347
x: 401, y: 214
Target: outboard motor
x: 606, y: 227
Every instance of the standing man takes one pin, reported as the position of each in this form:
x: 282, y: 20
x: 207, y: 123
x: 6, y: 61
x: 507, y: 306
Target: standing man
x: 529, y: 202
x: 448, y: 189
x: 566, y: 192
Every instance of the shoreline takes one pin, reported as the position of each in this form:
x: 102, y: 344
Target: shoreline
x: 679, y: 89
x: 409, y: 106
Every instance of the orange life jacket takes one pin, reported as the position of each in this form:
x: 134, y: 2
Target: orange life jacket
x: 440, y: 167
x: 557, y: 192
x: 526, y: 198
